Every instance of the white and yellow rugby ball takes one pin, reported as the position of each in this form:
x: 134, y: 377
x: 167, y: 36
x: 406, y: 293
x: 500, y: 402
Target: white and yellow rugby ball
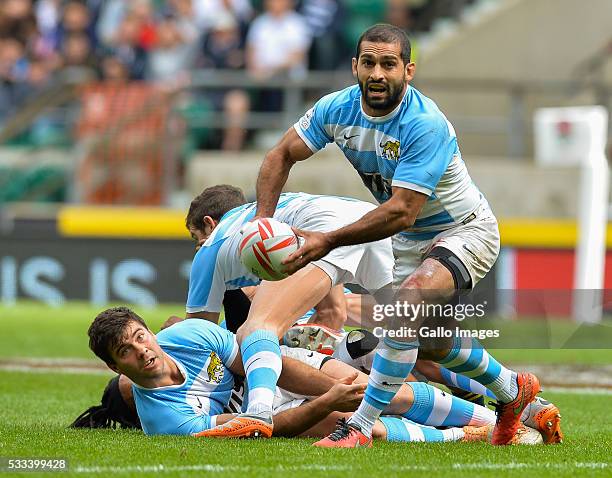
x: 265, y: 243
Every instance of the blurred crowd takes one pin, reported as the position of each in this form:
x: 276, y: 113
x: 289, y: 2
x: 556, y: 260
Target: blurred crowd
x: 156, y: 40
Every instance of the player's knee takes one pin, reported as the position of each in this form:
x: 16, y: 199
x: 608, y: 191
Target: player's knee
x: 415, y: 281
x: 249, y: 327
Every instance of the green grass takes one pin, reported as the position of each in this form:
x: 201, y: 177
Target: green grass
x: 31, y: 329
x: 36, y: 407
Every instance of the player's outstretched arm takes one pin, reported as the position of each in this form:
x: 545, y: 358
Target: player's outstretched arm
x: 344, y: 396
x: 395, y: 215
x: 275, y: 169
x: 300, y: 378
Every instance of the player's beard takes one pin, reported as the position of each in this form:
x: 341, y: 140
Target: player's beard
x: 384, y: 103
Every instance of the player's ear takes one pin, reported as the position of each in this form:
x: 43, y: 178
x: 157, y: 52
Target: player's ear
x: 209, y: 222
x: 409, y: 71
x: 354, y: 66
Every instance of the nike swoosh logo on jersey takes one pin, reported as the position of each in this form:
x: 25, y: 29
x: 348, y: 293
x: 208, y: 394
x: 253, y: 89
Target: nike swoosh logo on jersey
x: 349, y: 137
x: 311, y: 354
x: 199, y: 403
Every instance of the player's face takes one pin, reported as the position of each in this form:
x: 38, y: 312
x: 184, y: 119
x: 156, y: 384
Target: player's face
x: 200, y: 234
x: 382, y: 76
x: 138, y: 355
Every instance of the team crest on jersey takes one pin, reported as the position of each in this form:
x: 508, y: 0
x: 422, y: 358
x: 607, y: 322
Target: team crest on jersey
x: 305, y: 121
x: 214, y: 368
x: 390, y: 150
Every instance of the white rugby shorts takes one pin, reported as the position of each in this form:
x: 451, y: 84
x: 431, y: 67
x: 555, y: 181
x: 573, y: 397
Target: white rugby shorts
x: 369, y: 265
x: 475, y: 243
x: 284, y: 400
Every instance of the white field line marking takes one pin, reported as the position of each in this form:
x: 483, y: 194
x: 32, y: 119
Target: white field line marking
x: 313, y: 467
x: 54, y: 365
x: 578, y: 390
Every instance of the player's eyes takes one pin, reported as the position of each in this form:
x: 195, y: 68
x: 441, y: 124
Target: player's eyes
x: 140, y: 337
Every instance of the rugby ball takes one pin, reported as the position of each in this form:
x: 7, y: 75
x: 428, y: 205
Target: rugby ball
x: 528, y: 436
x: 264, y: 244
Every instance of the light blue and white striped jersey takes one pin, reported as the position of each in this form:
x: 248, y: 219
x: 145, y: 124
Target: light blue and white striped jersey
x: 216, y: 267
x: 413, y: 147
x: 202, y: 351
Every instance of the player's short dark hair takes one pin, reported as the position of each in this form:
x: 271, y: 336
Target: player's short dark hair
x: 108, y: 328
x: 385, y: 33
x: 214, y: 202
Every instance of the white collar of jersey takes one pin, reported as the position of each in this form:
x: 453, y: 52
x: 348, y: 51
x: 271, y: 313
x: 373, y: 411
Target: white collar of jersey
x: 388, y: 116
x: 169, y: 387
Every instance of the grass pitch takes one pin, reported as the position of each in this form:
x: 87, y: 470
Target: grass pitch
x: 37, y: 405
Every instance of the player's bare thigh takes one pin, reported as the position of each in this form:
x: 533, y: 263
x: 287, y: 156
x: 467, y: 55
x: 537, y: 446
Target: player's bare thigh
x: 277, y: 305
x: 430, y: 283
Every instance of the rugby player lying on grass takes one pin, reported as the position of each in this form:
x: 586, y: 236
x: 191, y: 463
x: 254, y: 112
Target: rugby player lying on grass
x: 358, y: 346
x: 215, y: 219
x: 183, y: 381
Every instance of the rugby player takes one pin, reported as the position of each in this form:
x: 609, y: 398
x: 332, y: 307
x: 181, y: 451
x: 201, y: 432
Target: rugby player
x: 182, y: 383
x: 445, y: 236
x: 216, y: 217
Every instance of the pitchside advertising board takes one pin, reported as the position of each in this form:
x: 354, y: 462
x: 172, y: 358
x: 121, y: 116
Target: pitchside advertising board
x: 98, y: 254
x: 143, y: 272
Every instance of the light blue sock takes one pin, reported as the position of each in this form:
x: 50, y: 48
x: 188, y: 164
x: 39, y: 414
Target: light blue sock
x: 392, y: 364
x: 262, y: 361
x: 434, y: 407
x: 468, y: 357
x: 404, y: 430
x: 453, y: 380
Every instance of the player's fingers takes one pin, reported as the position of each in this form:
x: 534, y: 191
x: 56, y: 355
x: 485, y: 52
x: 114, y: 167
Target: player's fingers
x: 356, y: 387
x: 350, y: 378
x: 299, y: 232
x: 294, y: 256
x: 299, y: 258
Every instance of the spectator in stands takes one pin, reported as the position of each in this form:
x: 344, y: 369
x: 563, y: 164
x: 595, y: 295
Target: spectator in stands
x: 14, y: 67
x: 176, y: 42
x: 140, y: 15
x: 224, y: 49
x: 126, y: 45
x: 47, y: 13
x: 77, y: 52
x: 17, y: 21
x: 277, y: 45
x: 399, y: 13
x: 324, y: 19
x: 114, y: 69
x: 206, y: 12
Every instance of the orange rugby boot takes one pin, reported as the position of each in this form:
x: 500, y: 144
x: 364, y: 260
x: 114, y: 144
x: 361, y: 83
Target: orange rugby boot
x: 509, y: 414
x: 546, y: 418
x: 346, y: 435
x: 243, y: 426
